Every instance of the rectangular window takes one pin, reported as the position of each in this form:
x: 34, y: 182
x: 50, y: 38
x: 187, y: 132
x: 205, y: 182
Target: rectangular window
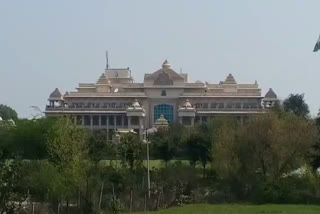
x: 125, y: 121
x: 111, y: 120
x: 87, y: 120
x: 220, y: 105
x: 119, y: 120
x: 197, y: 119
x: 103, y: 120
x: 214, y: 105
x: 229, y: 105
x: 135, y: 121
x: 95, y: 120
x: 186, y: 121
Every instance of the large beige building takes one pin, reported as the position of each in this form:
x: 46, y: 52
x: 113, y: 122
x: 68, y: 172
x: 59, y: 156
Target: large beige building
x: 115, y: 101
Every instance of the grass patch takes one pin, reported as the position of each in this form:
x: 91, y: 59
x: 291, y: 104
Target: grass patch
x: 239, y: 209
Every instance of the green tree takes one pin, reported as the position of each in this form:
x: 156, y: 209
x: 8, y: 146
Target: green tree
x: 99, y: 146
x: 264, y: 150
x: 296, y: 104
x: 29, y: 138
x: 8, y: 113
x: 9, y: 193
x: 162, y: 147
x: 130, y: 151
x: 68, y: 153
x: 198, y: 146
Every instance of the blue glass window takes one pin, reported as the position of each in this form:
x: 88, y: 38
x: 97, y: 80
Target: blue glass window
x: 166, y: 110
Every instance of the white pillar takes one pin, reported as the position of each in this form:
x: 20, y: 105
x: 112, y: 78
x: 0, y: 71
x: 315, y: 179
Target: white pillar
x: 129, y: 122
x: 99, y: 121
x: 192, y: 121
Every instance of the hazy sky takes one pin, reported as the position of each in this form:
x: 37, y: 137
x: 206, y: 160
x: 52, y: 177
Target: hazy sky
x: 49, y: 44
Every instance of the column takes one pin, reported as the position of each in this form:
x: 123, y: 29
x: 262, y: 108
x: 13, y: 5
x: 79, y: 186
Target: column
x: 122, y: 120
x: 129, y: 122
x: 192, y: 121
x: 91, y: 121
x: 115, y: 121
x: 99, y: 121
x: 82, y: 121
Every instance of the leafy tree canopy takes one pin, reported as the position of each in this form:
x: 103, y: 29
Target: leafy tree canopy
x: 8, y: 113
x: 296, y: 104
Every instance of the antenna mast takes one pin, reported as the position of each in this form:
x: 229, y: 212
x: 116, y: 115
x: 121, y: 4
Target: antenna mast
x: 107, y: 60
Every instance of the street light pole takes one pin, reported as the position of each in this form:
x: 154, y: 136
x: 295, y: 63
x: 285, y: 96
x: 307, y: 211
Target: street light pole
x: 146, y: 140
x: 148, y: 168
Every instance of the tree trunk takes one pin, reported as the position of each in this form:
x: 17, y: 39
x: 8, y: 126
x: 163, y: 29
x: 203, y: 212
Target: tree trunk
x: 131, y: 200
x: 101, y: 192
x: 67, y: 206
x: 145, y: 202
x: 158, y: 200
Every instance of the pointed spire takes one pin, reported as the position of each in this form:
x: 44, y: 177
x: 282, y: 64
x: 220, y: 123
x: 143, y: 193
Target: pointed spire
x: 271, y: 94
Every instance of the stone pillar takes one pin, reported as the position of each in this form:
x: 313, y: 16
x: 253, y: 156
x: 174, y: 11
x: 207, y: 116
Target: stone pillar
x: 129, y: 122
x: 115, y: 121
x: 192, y: 121
x: 82, y: 121
x: 122, y: 120
x: 99, y: 121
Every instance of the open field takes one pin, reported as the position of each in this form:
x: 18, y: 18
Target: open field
x: 240, y: 209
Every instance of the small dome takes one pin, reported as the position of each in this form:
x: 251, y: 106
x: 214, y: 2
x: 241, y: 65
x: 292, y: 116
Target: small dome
x: 161, y: 122
x: 166, y: 64
x: 271, y: 94
x: 187, y: 104
x: 66, y: 94
x: 135, y: 104
x: 230, y: 80
x: 103, y: 80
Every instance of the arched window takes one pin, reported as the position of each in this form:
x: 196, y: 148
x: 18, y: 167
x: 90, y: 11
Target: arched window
x: 163, y: 93
x: 166, y: 110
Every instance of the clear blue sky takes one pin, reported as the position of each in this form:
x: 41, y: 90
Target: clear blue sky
x: 49, y: 44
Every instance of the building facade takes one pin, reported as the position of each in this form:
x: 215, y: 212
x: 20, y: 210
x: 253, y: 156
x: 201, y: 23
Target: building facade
x: 115, y: 101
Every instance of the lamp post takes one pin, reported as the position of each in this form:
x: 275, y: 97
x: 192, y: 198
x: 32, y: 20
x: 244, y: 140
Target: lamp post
x: 146, y: 141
